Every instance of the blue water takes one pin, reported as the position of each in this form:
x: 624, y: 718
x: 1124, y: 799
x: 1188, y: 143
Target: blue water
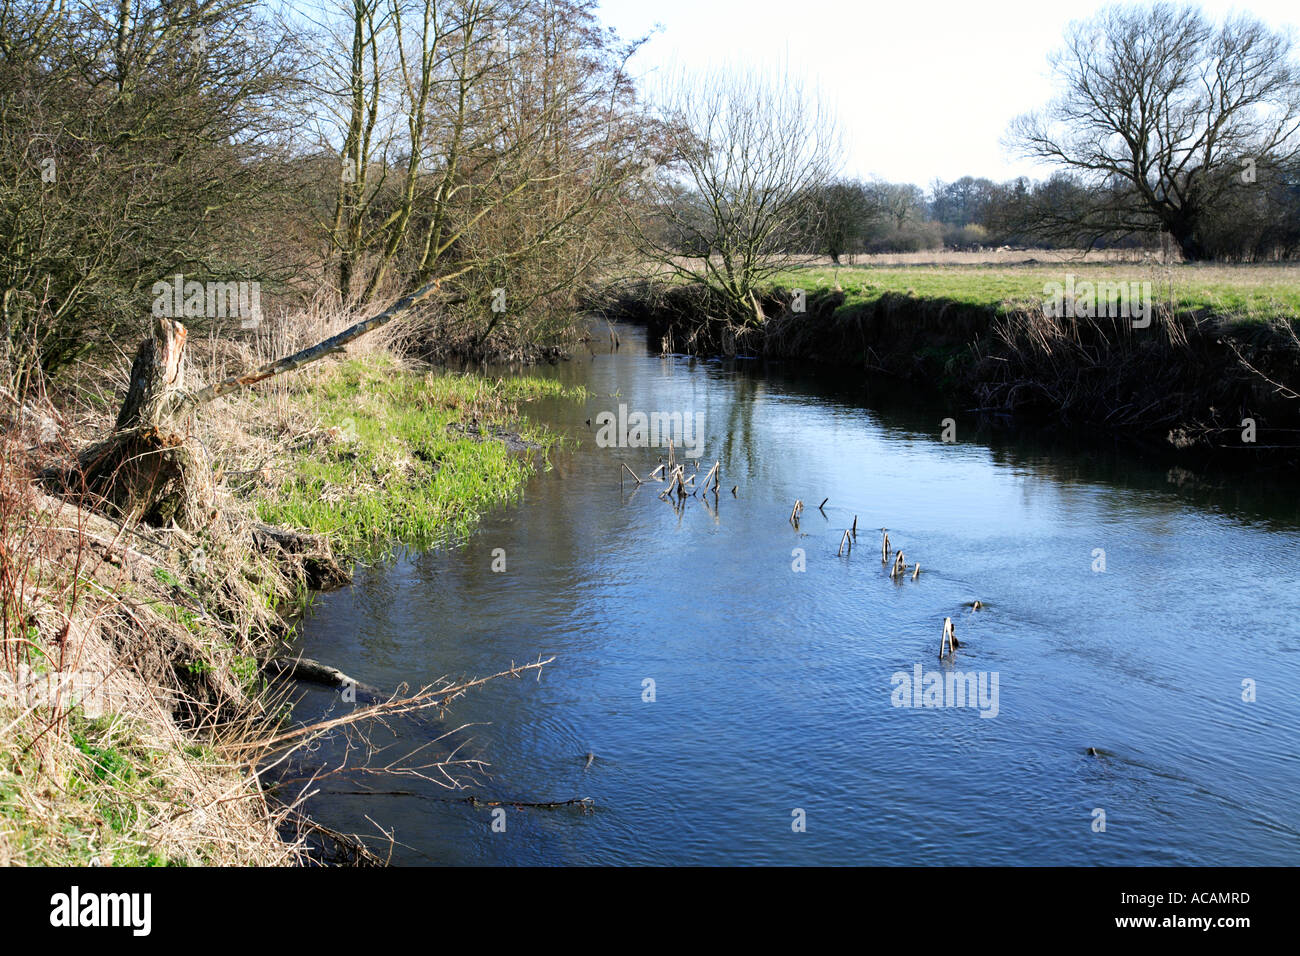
x: 774, y: 688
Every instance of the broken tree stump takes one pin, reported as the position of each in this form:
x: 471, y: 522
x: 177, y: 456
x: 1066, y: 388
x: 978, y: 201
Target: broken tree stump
x: 151, y: 468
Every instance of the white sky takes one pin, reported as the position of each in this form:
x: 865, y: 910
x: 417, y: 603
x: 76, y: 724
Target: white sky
x: 922, y: 88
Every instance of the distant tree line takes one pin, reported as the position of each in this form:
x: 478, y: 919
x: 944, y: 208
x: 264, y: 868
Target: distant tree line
x: 1168, y: 126
x: 1257, y: 220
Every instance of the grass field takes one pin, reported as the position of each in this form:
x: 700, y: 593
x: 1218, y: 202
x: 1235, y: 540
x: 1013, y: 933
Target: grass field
x: 1241, y: 292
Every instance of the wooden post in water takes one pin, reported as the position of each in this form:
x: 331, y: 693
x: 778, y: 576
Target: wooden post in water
x: 900, y: 566
x: 948, y: 644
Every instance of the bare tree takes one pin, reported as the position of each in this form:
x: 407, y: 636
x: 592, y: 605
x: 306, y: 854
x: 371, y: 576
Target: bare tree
x: 752, y: 152
x: 134, y: 139
x: 1162, y: 113
x: 843, y: 212
x: 475, y: 139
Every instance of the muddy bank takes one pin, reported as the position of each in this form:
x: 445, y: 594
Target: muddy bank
x: 1192, y: 384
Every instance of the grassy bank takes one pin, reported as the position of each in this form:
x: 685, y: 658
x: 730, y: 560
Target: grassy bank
x: 1250, y: 293
x: 396, y: 455
x: 1220, y: 348
x: 135, y: 712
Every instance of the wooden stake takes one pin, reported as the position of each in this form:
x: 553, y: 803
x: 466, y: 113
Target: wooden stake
x: 845, y: 540
x: 948, y: 643
x: 916, y: 570
x: 712, y: 474
x: 900, y: 566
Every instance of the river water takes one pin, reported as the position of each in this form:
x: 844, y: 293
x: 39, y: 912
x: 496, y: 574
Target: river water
x: 741, y: 710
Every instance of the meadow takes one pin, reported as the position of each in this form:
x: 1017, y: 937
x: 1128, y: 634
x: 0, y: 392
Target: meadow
x: 1004, y: 281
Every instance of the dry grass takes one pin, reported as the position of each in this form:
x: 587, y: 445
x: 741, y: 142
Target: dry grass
x: 151, y: 754
x: 124, y: 677
x: 159, y: 756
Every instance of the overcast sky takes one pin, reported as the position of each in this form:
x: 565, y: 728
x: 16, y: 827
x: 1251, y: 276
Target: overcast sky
x: 924, y: 89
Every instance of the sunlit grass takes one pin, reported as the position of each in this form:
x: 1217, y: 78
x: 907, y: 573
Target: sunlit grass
x: 409, y: 457
x: 1252, y: 292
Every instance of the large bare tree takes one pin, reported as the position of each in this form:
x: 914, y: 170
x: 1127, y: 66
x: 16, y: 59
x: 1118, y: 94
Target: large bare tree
x: 1161, y: 113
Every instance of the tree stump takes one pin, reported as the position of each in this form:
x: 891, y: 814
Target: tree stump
x: 151, y: 469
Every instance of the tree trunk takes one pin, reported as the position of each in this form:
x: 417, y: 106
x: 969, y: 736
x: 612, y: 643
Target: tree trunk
x: 1184, y: 229
x: 157, y: 374
x: 150, y: 469
x: 1191, y: 247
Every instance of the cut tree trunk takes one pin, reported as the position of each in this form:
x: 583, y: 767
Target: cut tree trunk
x: 151, y: 469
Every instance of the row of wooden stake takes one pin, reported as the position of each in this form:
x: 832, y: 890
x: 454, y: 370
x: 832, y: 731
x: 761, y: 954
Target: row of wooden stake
x: 679, y: 482
x: 948, y: 643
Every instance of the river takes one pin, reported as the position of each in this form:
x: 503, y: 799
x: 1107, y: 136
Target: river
x: 741, y: 686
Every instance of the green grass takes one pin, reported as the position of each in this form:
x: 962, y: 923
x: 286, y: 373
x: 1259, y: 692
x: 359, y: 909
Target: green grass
x: 397, y: 464
x: 1255, y: 292
x: 97, y: 809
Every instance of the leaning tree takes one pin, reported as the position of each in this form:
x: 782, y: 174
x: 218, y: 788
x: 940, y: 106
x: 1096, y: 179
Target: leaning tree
x: 1162, y: 113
